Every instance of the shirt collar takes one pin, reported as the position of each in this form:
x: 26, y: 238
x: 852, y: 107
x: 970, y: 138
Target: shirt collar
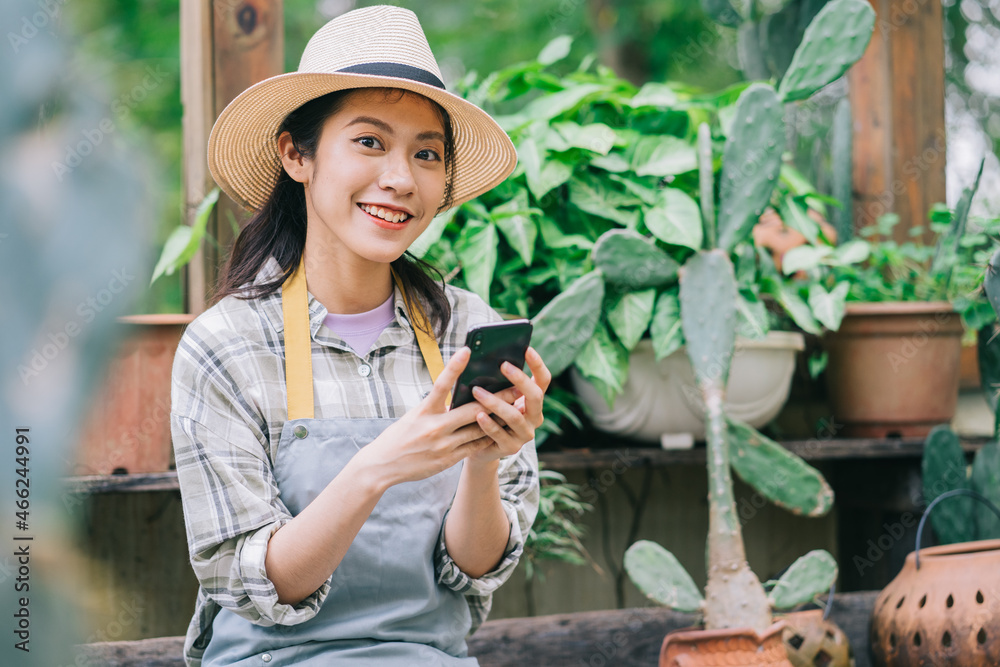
x: 271, y: 269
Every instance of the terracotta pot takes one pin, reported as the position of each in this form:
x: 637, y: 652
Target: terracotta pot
x: 128, y: 427
x: 893, y: 368
x: 811, y: 641
x: 741, y: 647
x: 947, y: 613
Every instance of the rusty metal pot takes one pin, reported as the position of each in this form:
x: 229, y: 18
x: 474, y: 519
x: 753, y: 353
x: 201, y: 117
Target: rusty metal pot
x: 739, y: 647
x: 943, y: 608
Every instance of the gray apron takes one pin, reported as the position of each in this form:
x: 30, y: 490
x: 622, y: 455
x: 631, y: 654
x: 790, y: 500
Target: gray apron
x: 384, y: 608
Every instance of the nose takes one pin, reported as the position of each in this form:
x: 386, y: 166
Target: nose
x: 398, y: 174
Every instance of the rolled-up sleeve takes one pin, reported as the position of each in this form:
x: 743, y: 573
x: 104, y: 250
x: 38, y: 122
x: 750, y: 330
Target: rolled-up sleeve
x: 228, y: 490
x: 519, y: 496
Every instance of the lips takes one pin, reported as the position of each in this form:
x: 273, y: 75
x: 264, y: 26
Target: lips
x: 390, y: 215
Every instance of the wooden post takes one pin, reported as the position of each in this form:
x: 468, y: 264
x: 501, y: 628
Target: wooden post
x: 897, y: 100
x: 226, y: 46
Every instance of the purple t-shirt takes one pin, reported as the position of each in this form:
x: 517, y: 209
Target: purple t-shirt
x: 360, y: 330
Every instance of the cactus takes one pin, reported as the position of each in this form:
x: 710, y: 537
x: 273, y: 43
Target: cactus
x: 657, y: 573
x: 944, y: 469
x: 751, y: 163
x: 734, y: 597
x: 630, y: 261
x: 986, y: 480
x: 807, y: 577
x: 777, y: 474
x: 840, y: 157
x: 705, y: 183
x: 991, y: 281
x: 835, y: 39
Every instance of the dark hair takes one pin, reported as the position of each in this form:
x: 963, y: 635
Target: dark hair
x: 279, y: 227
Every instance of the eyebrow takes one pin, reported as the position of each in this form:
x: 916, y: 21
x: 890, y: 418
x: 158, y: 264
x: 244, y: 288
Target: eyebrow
x: 382, y: 125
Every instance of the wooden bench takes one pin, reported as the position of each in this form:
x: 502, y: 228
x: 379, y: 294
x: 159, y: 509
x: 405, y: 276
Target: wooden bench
x: 626, y: 637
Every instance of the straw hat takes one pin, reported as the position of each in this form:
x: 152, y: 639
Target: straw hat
x: 364, y: 48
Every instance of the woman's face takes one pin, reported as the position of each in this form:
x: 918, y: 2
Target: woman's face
x: 377, y: 152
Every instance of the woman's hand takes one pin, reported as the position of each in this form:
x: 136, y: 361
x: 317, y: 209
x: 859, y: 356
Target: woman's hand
x: 430, y: 438
x: 513, y: 423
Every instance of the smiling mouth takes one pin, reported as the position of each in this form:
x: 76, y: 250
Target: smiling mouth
x: 385, y: 214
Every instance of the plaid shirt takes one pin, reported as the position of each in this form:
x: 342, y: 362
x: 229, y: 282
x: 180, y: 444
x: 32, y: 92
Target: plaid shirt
x: 228, y: 404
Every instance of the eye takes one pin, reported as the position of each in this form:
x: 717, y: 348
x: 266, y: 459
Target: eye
x: 363, y: 140
x: 427, y: 151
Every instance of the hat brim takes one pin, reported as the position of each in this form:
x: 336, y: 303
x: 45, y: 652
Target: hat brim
x: 243, y: 150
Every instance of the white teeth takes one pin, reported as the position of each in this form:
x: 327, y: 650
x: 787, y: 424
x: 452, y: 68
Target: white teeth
x: 384, y: 214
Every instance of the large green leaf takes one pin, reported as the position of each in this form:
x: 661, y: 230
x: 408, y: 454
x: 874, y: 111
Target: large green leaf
x: 828, y: 307
x: 184, y: 241
x: 676, y: 219
x: 630, y: 260
x: 776, y: 473
x: 807, y: 577
x: 604, y: 362
x: 432, y: 234
x: 596, y: 198
x: 663, y: 155
x: 514, y: 219
x: 477, y: 250
x: 665, y: 328
x: 541, y: 173
x: 549, y: 106
x: 629, y: 315
x: 660, y: 576
x: 595, y: 137
x: 567, y: 322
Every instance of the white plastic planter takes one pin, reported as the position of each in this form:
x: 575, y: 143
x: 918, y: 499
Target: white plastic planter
x: 661, y: 402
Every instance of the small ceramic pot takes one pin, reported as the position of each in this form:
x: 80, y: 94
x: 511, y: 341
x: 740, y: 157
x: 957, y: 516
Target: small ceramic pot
x: 739, y: 646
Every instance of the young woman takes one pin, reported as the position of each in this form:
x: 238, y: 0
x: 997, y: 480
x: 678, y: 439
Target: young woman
x: 337, y: 512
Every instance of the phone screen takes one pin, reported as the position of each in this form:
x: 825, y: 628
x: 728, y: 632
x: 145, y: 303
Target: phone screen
x: 491, y: 345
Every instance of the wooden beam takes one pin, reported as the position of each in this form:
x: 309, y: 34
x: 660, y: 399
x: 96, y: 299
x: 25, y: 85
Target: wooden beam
x: 249, y: 46
x: 897, y: 101
x: 198, y: 100
x: 623, y: 637
x: 226, y: 47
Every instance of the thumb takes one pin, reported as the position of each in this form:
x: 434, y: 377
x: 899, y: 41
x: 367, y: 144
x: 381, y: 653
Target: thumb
x: 446, y: 380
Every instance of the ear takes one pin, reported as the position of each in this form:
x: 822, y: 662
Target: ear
x: 297, y: 166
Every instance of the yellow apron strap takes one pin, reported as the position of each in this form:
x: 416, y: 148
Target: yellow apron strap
x: 298, y: 342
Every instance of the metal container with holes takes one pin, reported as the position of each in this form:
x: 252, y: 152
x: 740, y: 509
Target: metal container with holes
x: 946, y: 613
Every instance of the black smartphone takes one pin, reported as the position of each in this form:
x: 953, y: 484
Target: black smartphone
x: 491, y: 345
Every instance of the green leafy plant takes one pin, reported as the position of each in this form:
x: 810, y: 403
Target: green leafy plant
x: 184, y: 240
x: 586, y: 235
x: 950, y: 269
x: 709, y: 306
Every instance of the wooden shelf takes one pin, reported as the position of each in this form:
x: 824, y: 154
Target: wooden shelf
x: 631, y: 453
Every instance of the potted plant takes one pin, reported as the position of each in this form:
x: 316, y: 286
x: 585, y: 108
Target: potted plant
x: 894, y: 363
x: 128, y: 429
x: 603, y: 160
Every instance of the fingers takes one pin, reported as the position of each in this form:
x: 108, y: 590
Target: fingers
x: 532, y: 388
x: 506, y: 412
x: 446, y: 380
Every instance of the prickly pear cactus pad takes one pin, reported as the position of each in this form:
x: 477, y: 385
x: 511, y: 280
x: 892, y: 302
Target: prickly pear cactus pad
x: 943, y: 469
x: 708, y: 314
x: 835, y: 39
x: 751, y: 163
x: 807, y: 577
x: 660, y: 576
